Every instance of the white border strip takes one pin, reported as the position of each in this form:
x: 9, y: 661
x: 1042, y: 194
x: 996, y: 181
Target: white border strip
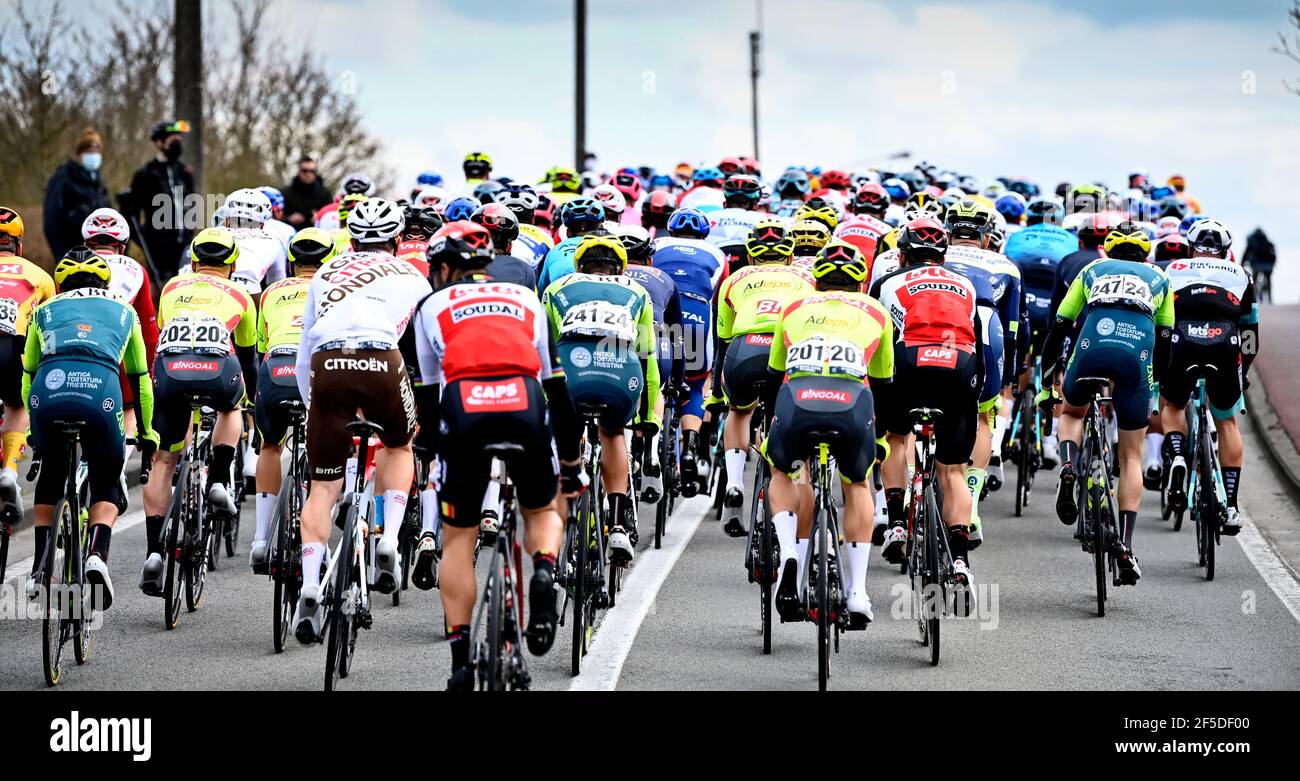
x: 1270, y: 565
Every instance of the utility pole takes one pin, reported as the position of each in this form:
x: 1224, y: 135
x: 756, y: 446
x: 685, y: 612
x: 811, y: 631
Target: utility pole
x: 580, y: 83
x: 188, y: 70
x: 755, y: 42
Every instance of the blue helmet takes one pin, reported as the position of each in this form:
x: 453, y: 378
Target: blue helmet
x: 429, y: 178
x: 1011, y: 206
x: 582, y: 214
x: 708, y: 175
x: 1161, y: 192
x: 689, y: 221
x: 1189, y: 221
x: 1046, y: 210
x: 1149, y: 210
x: 275, y: 196
x: 897, y: 189
x: 793, y: 179
x: 662, y: 182
x: 460, y: 209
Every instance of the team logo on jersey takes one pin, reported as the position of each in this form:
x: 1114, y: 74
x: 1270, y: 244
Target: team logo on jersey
x: 34, y: 401
x: 508, y: 396
x: 488, y: 308
x: 55, y: 379
x: 1105, y: 326
x: 759, y: 340
x: 1143, y: 355
x: 634, y: 384
x: 184, y: 365
x: 1204, y: 331
x: 823, y: 394
x: 940, y: 357
x: 109, y: 404
x: 581, y: 357
x: 1083, y: 344
x: 285, y: 370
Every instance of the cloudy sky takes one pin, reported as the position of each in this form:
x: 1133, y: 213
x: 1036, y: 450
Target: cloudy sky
x: 1049, y: 89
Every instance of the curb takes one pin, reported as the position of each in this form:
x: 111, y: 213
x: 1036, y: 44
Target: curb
x: 1279, y: 445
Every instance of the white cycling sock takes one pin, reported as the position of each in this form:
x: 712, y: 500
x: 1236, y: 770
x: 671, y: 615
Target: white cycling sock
x: 1154, y: 443
x: 859, y: 557
x: 1054, y: 422
x: 429, y: 511
x: 492, y: 498
x: 801, y: 555
x: 882, y: 512
x: 265, y: 511
x: 130, y: 451
x: 735, y: 469
x: 394, y: 512
x: 1000, y: 425
x: 652, y: 450
x: 785, y: 525
x: 312, y: 555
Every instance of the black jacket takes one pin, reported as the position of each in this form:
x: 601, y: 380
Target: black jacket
x: 158, y: 201
x: 305, y: 199
x: 70, y: 196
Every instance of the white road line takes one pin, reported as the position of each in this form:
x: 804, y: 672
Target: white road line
x: 1269, y: 564
x: 19, y: 570
x: 616, y: 633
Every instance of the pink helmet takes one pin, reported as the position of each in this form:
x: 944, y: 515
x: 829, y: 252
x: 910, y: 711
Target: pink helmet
x: 610, y: 197
x: 105, y: 223
x: 629, y: 184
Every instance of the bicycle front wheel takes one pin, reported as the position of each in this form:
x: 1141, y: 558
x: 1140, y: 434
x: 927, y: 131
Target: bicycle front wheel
x: 823, y: 600
x: 57, y: 584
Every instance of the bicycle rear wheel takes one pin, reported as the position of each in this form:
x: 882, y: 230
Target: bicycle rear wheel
x: 493, y: 651
x: 177, y: 566
x: 932, y: 580
x: 766, y: 566
x: 57, y: 583
x: 205, y: 549
x: 82, y: 618
x: 820, y: 523
x: 1094, y: 500
x: 579, y: 545
x: 338, y: 621
x: 231, y: 526
x: 1023, y: 456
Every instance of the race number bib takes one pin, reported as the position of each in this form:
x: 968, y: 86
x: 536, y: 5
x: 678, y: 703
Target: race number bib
x: 8, y: 316
x: 1123, y: 290
x: 194, y: 333
x: 833, y: 357
x: 599, y: 319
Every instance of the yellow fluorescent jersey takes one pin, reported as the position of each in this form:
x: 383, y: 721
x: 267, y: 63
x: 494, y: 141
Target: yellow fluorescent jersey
x: 23, y: 285
x: 752, y: 299
x: 834, y: 334
x: 279, y: 314
x: 540, y: 235
x: 209, y: 314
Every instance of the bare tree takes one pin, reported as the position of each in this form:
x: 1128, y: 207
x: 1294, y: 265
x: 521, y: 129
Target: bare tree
x: 1288, y: 44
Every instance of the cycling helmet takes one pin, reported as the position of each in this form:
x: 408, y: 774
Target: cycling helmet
x: 708, y: 177
x: 994, y: 191
x: 1046, y: 210
x: 684, y: 171
x: 1160, y: 193
x: 750, y: 166
x: 968, y: 219
x: 922, y: 205
x: 1172, y: 206
x: 968, y: 183
x: 1093, y: 230
x: 1168, y: 226
x: 277, y: 201
x: 105, y: 228
x: 657, y: 209
x: 923, y: 239
x: 1185, y: 226
x: 581, y: 215
x: 214, y: 247
x: 897, y: 189
x: 486, y: 192
x: 809, y: 237
x: 1210, y: 237
x: 629, y: 184
x: 636, y: 240
x: 477, y: 165
x: 793, y: 184
x: 730, y: 166
x: 376, y: 221
x: 247, y: 204
x: 690, y: 223
x: 429, y: 179
x: 544, y: 214
x: 358, y: 183
x: 764, y: 251
x: 1127, y: 241
x: 836, y: 180
x: 870, y: 198
x: 1178, y: 182
x: 462, y: 245
x: 821, y: 212
x: 1086, y: 198
x: 914, y: 180
x: 520, y: 199
x: 168, y: 127
x: 600, y: 249
x: 1012, y: 207
x: 460, y: 209
x: 430, y: 195
x: 770, y: 229
x: 1024, y: 188
x: 609, y: 196
x: 662, y: 182
x: 1138, y: 178
x: 742, y: 191
x: 840, y: 261
x: 312, y: 246
x: 500, y: 221
x: 565, y: 180
x: 82, y: 260
x: 11, y: 229
x: 347, y: 204
x: 998, y: 233
x: 1171, y: 247
x: 421, y: 221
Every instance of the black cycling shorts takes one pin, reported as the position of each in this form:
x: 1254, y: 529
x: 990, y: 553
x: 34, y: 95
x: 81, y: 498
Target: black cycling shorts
x: 478, y: 413
x: 373, y: 383
x: 215, y: 380
x: 11, y: 369
x: 808, y: 405
x: 744, y: 369
x: 939, y: 378
x: 277, y: 383
x: 1215, y: 347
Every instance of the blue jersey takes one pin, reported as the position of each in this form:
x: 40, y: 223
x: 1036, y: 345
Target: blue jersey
x: 1037, y: 251
x: 667, y: 315
x: 558, y: 263
x: 997, y: 288
x: 696, y: 270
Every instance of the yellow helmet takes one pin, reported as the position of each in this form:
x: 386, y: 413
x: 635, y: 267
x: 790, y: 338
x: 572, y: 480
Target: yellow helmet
x: 840, y: 256
x: 769, y: 229
x: 10, y: 223
x: 763, y: 251
x: 809, y: 237
x: 82, y: 260
x: 313, y: 246
x: 826, y: 215
x: 1127, y: 241
x: 598, y: 243
x: 347, y: 204
x: 214, y: 247
x: 476, y: 162
x: 968, y: 219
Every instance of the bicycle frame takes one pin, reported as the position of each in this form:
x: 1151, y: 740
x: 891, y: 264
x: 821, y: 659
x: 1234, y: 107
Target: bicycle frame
x: 502, y: 603
x: 1206, y: 493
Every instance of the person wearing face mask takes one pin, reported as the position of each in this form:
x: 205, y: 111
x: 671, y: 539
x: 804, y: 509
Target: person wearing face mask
x: 73, y: 192
x: 161, y: 201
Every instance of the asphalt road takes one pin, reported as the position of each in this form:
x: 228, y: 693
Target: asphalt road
x: 688, y: 619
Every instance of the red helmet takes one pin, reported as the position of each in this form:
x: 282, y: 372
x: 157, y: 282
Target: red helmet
x: 923, y: 239
x: 751, y: 166
x: 544, y: 214
x: 1172, y: 247
x: 836, y: 180
x: 658, y: 208
x: 629, y: 184
x: 105, y: 227
x: 1094, y: 228
x: 500, y: 221
x: 476, y: 236
x: 731, y: 165
x: 870, y: 197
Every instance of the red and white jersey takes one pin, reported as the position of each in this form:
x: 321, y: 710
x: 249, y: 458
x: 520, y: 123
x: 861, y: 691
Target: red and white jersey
x: 929, y: 305
x: 482, y: 329
x: 128, y: 277
x: 862, y: 231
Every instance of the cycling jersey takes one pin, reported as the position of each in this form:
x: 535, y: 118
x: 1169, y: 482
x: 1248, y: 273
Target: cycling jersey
x: 1038, y: 250
x: 930, y: 305
x: 509, y: 268
x: 279, y: 316
x: 862, y: 231
x: 327, y: 217
x: 558, y: 263
x: 667, y: 317
x: 537, y: 235
x: 207, y: 313
x: 481, y: 328
x: 530, y: 250
x: 705, y: 199
x: 787, y: 207
x: 282, y: 231
x: 1068, y: 269
x: 752, y: 299
x: 885, y: 264
x: 23, y: 285
x: 87, y: 324
x: 358, y: 300
x: 843, y: 335
x: 415, y: 252
x: 261, y: 259
x: 887, y: 242
x: 731, y: 226
x: 1212, y: 288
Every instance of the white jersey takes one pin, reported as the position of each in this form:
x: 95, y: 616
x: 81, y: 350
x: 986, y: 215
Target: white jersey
x: 358, y: 298
x: 885, y: 263
x: 282, y: 231
x: 127, y: 277
x: 731, y: 226
x: 261, y: 262
x: 706, y: 199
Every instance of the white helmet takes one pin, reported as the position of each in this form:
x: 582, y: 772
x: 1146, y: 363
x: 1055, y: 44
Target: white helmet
x: 608, y: 196
x: 357, y: 183
x: 1210, y: 236
x: 1167, y: 226
x: 375, y: 221
x: 431, y: 195
x: 106, y: 222
x: 247, y: 204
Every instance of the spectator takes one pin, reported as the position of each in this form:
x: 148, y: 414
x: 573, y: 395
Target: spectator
x: 73, y: 192
x: 304, y: 195
x: 1259, y: 260
x: 157, y: 201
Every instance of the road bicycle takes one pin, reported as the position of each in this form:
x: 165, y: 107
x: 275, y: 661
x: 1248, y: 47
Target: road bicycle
x: 762, y: 554
x: 929, y: 559
x: 825, y: 599
x: 1026, y: 443
x: 498, y: 653
x: 285, y: 555
x: 1208, y: 499
x: 581, y: 570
